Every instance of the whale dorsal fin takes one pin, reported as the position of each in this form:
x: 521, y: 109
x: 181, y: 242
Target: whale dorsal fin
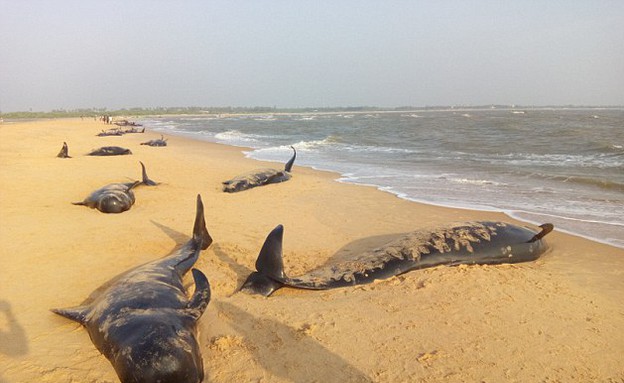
x: 269, y: 275
x: 200, y: 233
x: 290, y: 162
x: 146, y: 180
x: 201, y: 297
x: 78, y: 313
x: 546, y: 228
x: 270, y: 262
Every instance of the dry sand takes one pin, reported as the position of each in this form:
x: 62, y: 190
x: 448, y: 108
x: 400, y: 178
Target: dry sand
x: 560, y: 319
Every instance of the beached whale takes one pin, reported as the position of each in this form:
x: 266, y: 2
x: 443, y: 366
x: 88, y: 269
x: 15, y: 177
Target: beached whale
x: 110, y: 151
x: 116, y: 197
x: 134, y: 129
x: 143, y: 321
x: 259, y: 177
x: 110, y: 132
x: 455, y: 244
x: 64, y: 153
x: 156, y: 142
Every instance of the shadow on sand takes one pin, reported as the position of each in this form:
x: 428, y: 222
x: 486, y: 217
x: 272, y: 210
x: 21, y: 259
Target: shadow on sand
x: 13, y: 341
x: 178, y: 237
x: 288, y: 353
x: 242, y: 272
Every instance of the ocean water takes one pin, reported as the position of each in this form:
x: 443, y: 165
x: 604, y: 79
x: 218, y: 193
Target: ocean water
x: 564, y: 166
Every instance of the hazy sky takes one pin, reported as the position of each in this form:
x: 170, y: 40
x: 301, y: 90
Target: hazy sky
x: 289, y: 53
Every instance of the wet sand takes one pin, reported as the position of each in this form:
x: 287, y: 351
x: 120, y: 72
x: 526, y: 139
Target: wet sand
x: 558, y: 319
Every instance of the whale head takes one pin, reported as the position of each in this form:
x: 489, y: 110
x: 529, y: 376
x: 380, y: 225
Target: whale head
x: 159, y: 349
x: 112, y: 204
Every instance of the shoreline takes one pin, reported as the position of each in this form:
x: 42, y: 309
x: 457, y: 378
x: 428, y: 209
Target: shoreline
x: 343, y: 178
x: 555, y: 319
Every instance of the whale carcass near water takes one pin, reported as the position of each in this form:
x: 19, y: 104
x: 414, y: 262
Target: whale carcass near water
x: 110, y: 151
x: 259, y: 177
x: 454, y: 244
x: 110, y: 132
x: 143, y: 321
x: 116, y: 197
x: 156, y: 142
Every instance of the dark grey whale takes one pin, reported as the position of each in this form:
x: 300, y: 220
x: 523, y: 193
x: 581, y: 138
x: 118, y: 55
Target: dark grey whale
x: 259, y: 177
x: 110, y: 132
x: 64, y: 153
x: 110, y: 151
x: 157, y: 142
x: 143, y: 321
x: 117, y: 197
x: 454, y: 244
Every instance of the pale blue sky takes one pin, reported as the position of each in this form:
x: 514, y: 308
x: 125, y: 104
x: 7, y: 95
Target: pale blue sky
x: 322, y: 53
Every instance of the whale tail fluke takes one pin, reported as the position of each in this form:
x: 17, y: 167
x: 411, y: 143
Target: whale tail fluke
x: 201, y: 297
x: 200, y: 233
x: 290, y: 162
x: 546, y: 228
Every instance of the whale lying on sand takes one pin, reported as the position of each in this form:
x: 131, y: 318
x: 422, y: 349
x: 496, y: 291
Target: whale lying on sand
x: 110, y: 151
x: 144, y: 323
x: 116, y: 197
x: 259, y: 177
x: 156, y: 142
x: 454, y: 244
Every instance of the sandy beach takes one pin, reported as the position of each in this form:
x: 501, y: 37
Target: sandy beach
x: 559, y: 319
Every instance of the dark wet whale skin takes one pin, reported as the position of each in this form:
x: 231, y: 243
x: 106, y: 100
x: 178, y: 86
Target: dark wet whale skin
x: 112, y: 198
x: 117, y: 197
x: 110, y: 151
x: 260, y: 177
x: 456, y: 244
x: 143, y: 321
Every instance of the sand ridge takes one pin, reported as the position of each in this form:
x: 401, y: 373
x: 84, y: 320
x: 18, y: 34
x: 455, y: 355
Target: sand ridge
x: 556, y: 319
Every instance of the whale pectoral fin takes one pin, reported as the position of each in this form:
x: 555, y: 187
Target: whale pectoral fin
x: 78, y: 313
x: 546, y: 228
x: 82, y: 203
x: 201, y: 297
x: 258, y: 283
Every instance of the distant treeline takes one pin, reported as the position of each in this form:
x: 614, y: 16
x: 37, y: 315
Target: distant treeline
x: 137, y: 112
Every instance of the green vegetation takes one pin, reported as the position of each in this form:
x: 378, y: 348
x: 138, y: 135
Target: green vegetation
x: 138, y: 112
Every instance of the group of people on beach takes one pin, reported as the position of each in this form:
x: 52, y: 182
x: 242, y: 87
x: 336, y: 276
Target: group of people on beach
x: 106, y: 119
